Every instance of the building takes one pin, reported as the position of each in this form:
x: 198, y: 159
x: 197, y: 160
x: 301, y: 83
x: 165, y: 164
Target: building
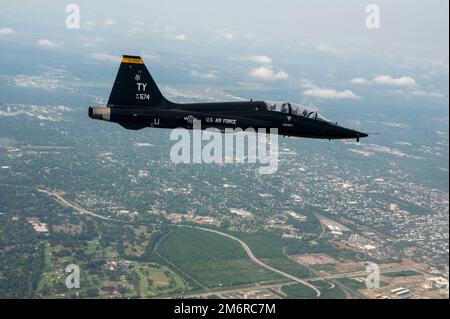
x: 401, y: 293
x: 436, y: 283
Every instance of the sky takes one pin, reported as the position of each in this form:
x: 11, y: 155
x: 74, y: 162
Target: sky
x: 392, y: 80
x: 405, y: 25
x: 320, y: 50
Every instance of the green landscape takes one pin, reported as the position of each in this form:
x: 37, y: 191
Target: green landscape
x: 211, y: 259
x: 104, y: 274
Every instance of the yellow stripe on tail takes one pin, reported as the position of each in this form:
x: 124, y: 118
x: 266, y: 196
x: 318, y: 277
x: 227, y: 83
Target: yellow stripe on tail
x: 132, y: 60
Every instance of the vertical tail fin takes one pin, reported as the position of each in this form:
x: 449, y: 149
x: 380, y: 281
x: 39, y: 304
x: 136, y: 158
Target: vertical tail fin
x: 134, y: 86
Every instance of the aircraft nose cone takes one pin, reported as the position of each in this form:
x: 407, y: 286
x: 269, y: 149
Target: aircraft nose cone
x: 361, y: 134
x: 343, y: 132
x: 358, y: 135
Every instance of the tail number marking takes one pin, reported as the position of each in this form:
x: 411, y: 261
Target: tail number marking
x: 141, y: 96
x: 141, y: 86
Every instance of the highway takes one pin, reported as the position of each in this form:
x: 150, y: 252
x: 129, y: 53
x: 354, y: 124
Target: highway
x: 58, y: 197
x: 364, y: 274
x: 250, y: 254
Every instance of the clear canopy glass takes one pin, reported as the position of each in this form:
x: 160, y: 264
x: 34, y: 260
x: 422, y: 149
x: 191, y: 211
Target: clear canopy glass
x: 295, y: 109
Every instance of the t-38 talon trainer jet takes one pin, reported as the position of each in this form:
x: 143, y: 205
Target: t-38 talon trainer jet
x: 136, y: 102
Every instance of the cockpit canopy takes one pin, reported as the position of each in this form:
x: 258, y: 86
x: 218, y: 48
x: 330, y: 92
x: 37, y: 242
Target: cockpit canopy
x: 295, y: 109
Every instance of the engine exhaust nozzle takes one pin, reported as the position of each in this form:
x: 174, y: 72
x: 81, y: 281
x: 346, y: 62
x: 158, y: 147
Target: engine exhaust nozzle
x: 100, y: 113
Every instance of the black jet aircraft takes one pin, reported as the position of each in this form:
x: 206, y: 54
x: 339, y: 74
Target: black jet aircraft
x: 136, y: 102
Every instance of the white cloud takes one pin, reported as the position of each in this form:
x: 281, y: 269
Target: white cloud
x: 225, y: 34
x: 197, y: 95
x: 89, y: 25
x: 431, y: 67
x: 268, y: 74
x: 307, y: 84
x: 37, y: 82
x: 262, y: 59
x: 389, y: 80
x: 90, y: 42
x: 359, y: 81
x: 138, y: 23
x: 324, y: 47
x: 105, y: 57
x: 138, y: 26
x: 48, y: 79
x: 407, y: 86
x: 150, y: 56
x: 330, y: 93
x: 403, y: 81
x: 228, y: 36
x: 6, y: 31
x: 109, y: 22
x: 311, y: 89
x: 420, y: 92
x: 47, y: 43
x: 180, y: 37
x: 39, y: 112
x: 207, y: 75
x: 328, y: 48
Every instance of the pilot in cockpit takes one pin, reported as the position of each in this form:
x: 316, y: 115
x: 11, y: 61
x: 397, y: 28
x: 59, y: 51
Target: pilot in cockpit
x: 286, y: 108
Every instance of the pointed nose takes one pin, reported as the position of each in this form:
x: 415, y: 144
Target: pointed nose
x: 361, y: 134
x: 354, y: 134
x: 344, y: 133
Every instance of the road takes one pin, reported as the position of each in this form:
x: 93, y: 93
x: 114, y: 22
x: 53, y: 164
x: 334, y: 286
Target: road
x: 364, y: 274
x: 238, y: 289
x: 58, y: 197
x: 250, y: 254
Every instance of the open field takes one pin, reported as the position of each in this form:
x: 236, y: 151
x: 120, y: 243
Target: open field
x: 211, y: 259
x: 298, y: 291
x: 269, y: 248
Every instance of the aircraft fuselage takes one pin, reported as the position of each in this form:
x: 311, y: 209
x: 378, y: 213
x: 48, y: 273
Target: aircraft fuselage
x: 136, y: 102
